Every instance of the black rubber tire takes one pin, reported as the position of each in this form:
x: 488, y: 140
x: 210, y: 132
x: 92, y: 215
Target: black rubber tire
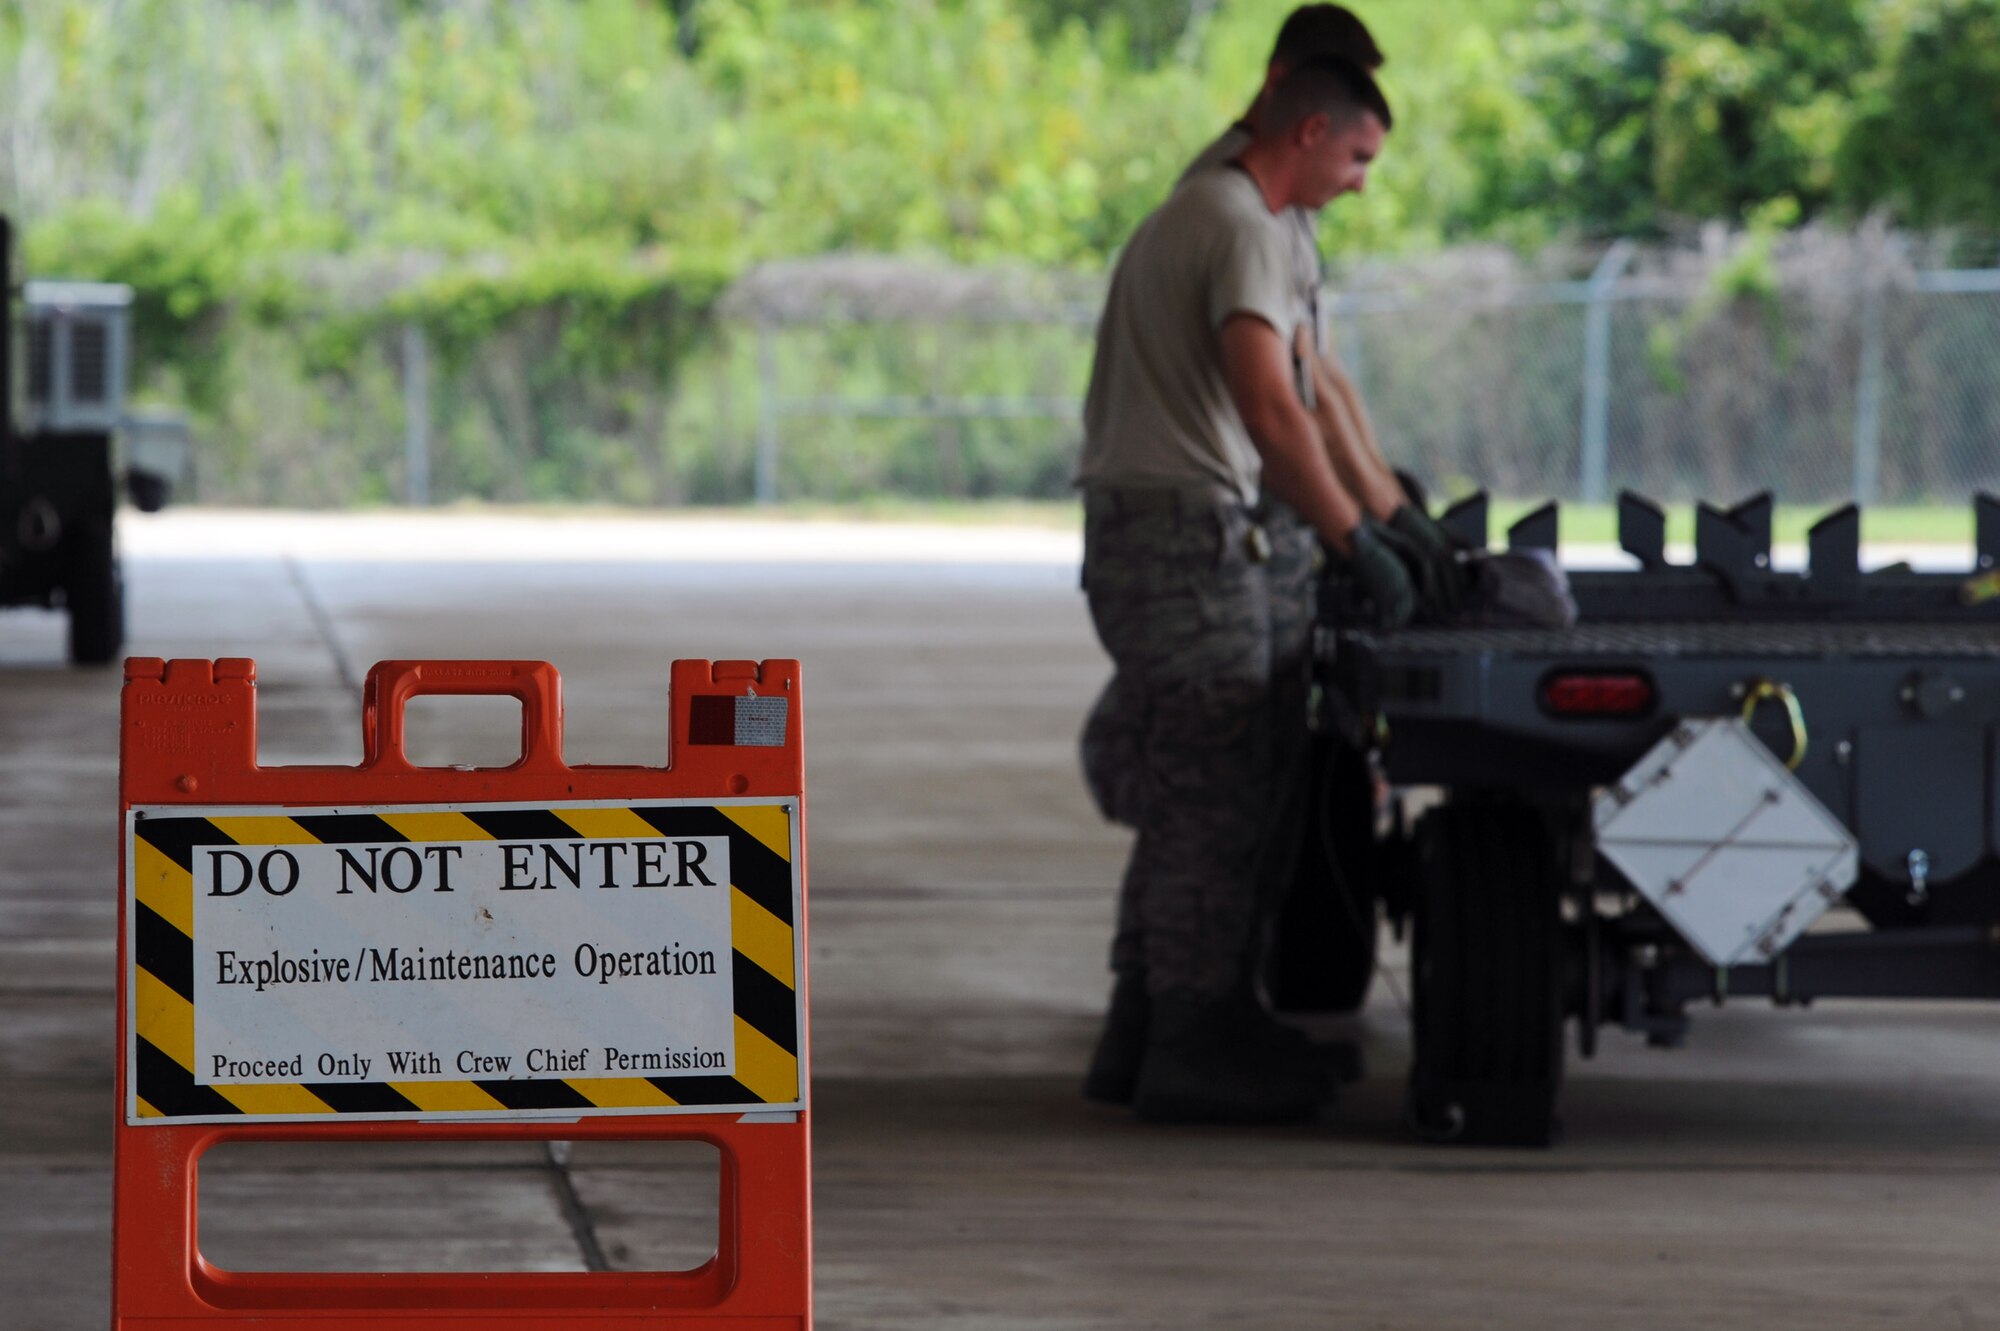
x: 1487, y: 979
x: 94, y: 591
x: 1322, y: 955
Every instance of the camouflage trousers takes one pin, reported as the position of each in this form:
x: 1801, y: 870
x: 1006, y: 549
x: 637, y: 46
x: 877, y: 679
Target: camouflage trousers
x: 1206, y: 610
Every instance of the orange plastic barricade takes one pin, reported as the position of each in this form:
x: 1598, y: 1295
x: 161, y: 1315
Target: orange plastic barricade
x: 392, y: 952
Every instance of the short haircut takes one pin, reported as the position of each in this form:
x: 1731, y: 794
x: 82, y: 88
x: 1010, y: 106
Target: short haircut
x: 1314, y: 30
x: 1324, y: 85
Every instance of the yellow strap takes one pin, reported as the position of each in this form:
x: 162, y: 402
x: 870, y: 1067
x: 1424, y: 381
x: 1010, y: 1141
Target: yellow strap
x: 1762, y: 691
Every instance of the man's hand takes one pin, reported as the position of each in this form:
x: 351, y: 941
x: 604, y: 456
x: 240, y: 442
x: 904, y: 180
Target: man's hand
x: 1433, y: 561
x: 1379, y: 571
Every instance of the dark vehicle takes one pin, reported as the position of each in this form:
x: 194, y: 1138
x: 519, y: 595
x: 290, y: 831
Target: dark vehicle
x: 1878, y: 690
x: 63, y: 362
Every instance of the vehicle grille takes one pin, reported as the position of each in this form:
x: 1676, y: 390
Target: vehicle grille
x: 90, y: 362
x: 41, y: 360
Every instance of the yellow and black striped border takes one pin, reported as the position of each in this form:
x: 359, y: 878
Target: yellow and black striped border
x: 160, y: 964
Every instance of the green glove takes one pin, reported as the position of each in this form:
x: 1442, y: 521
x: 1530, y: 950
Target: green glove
x: 1440, y: 581
x: 1380, y: 572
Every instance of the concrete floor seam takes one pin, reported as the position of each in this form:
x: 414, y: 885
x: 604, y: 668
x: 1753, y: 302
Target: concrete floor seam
x: 575, y: 1214
x: 295, y: 569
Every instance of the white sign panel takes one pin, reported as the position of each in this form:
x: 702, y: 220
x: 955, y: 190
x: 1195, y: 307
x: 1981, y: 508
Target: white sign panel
x: 453, y: 960
x: 617, y: 960
x: 1729, y: 846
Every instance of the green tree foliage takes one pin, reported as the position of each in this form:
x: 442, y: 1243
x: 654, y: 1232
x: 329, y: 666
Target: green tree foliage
x: 1926, y: 140
x: 1740, y: 109
x: 1690, y: 108
x: 1148, y: 31
x: 945, y: 128
x: 572, y: 181
x: 1752, y: 102
x: 1591, y: 71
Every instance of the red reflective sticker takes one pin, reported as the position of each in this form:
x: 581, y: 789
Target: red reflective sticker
x: 711, y: 719
x: 1598, y: 695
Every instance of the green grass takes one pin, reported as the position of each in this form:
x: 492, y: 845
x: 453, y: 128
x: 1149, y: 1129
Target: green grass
x: 1926, y: 524
x: 1920, y: 524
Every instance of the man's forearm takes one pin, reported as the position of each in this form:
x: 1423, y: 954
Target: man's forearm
x: 1258, y: 364
x: 1373, y: 484
x: 1351, y: 397
x: 1350, y: 443
x: 1298, y: 470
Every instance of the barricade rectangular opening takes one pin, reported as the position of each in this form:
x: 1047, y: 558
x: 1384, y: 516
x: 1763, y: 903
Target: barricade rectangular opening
x: 298, y: 725
x: 473, y: 730
x: 610, y: 722
x: 514, y: 1206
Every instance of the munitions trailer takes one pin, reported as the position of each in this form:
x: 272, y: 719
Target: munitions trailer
x: 1724, y: 781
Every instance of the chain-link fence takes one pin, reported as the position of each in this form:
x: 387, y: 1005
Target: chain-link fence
x: 1941, y: 393
x: 1862, y: 380
x: 1821, y: 369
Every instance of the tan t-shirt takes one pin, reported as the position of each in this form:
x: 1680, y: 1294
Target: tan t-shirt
x: 1158, y: 413
x: 1304, y: 222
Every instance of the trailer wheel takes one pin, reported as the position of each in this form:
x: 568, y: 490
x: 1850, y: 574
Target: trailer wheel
x: 1322, y: 956
x: 95, y: 594
x: 1486, y: 975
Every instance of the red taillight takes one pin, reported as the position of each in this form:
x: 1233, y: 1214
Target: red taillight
x: 1598, y: 694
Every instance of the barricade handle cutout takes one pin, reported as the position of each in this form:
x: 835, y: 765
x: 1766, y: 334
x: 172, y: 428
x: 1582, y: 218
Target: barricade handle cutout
x: 391, y: 684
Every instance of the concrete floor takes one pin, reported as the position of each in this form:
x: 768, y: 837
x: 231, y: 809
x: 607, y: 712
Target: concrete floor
x: 1837, y: 1168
